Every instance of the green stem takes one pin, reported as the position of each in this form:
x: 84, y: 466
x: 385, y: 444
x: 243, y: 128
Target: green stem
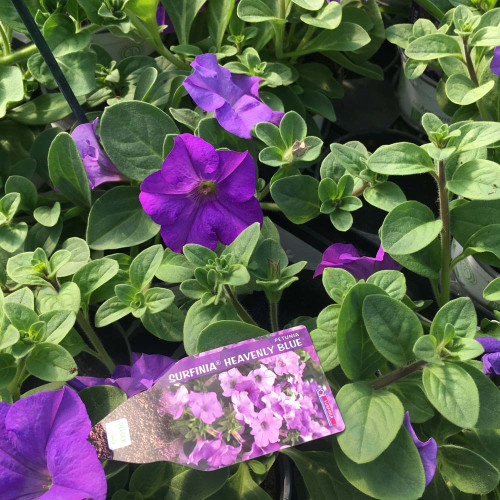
x: 273, y: 315
x: 359, y: 191
x: 19, y: 55
x: 15, y: 386
x: 5, y: 41
x: 397, y: 375
x: 309, y: 33
x: 264, y: 192
x: 473, y: 76
x: 444, y: 212
x: 435, y: 289
x: 240, y: 310
x: 270, y: 206
x: 95, y: 341
x: 279, y: 29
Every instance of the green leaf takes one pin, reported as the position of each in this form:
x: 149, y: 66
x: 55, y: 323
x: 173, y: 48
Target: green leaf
x: 485, y: 443
x: 67, y: 299
x: 8, y: 368
x: 13, y: 236
x: 358, y: 356
x: 328, y: 17
x: 408, y: 228
x: 144, y: 266
x: 492, y: 291
x: 182, y: 14
x: 325, y: 337
x: 198, y: 255
x: 110, y: 311
x: 476, y: 180
x: 426, y: 262
x: 47, y: 216
x: 241, y: 485
x: 485, y: 240
x: 397, y: 473
x: 147, y: 479
x: 452, y: 391
x: 402, y: 158
x: 385, y: 196
x: 346, y: 37
x: 337, y: 282
x: 66, y: 170
x: 219, y: 14
x: 475, y: 135
x: 101, y: 400
x: 393, y: 328
x: 42, y: 110
x: 258, y: 11
x: 241, y: 249
x: 59, y: 323
x: 461, y: 90
x: 222, y: 333
x: 94, y: 274
x: 466, y: 470
x: 458, y: 312
x: 292, y: 128
x: 80, y: 254
x: 426, y: 349
x: 117, y: 220
x: 158, y: 299
x: 392, y: 282
x: 174, y: 267
x: 270, y: 135
x: 372, y: 419
x: 52, y: 363
x: 11, y: 87
x: 166, y: 324
x: 298, y: 197
x: 485, y: 37
x: 132, y: 134
x: 27, y: 190
x: 187, y: 484
x: 8, y: 336
x: 433, y: 46
x: 21, y: 316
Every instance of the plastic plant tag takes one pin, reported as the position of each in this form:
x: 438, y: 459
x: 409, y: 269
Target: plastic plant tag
x: 225, y: 406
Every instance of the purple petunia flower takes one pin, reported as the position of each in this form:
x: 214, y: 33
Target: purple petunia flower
x: 44, y: 452
x: 229, y: 380
x: 495, y: 62
x: 491, y: 356
x: 162, y: 19
x: 201, y: 195
x: 266, y: 428
x: 427, y: 450
x: 97, y: 164
x: 347, y: 257
x: 205, y: 406
x: 146, y: 369
x: 173, y: 403
x: 244, y: 409
x: 262, y: 378
x: 234, y: 98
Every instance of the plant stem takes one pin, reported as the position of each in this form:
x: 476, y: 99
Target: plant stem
x: 359, y: 191
x: 396, y: 375
x: 296, y: 53
x: 95, y: 341
x: 435, y: 289
x: 279, y: 30
x: 473, y: 76
x: 240, y: 310
x: 264, y: 192
x: 5, y: 41
x: 444, y: 212
x: 273, y: 315
x: 15, y: 386
x: 270, y: 206
x: 19, y: 55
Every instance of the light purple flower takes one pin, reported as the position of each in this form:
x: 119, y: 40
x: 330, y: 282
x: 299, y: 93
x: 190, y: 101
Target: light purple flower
x: 491, y: 357
x: 205, y: 406
x: 145, y: 371
x: 287, y: 363
x: 173, y: 403
x: 244, y: 409
x: 347, y: 257
x: 234, y: 98
x: 229, y: 380
x: 495, y: 62
x: 201, y: 195
x: 97, y: 164
x: 257, y: 451
x: 266, y: 428
x: 44, y: 452
x: 223, y: 454
x: 427, y: 450
x: 262, y: 378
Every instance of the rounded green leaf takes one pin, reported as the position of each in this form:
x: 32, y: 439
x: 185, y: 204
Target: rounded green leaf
x: 52, y: 363
x: 258, y: 11
x: 80, y: 255
x: 433, y: 46
x: 372, y: 419
x: 461, y: 90
x: 11, y: 87
x: 132, y: 134
x: 408, y: 228
x: 392, y: 282
x: 292, y: 128
x: 328, y: 17
x: 476, y: 180
x: 43, y: 109
x: 117, y: 220
x: 393, y: 328
x: 48, y: 216
x: 452, y: 391
x: 402, y: 158
x: 8, y: 369
x: 145, y: 265
x: 458, y: 312
x: 492, y: 291
x: 385, y: 196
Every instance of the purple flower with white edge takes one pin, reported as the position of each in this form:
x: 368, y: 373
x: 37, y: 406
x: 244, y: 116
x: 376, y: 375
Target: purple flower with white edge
x: 234, y: 98
x: 205, y: 406
x: 427, y: 450
x: 491, y: 356
x: 229, y: 380
x: 97, y: 164
x: 201, y: 195
x: 347, y: 257
x: 44, y: 452
x: 495, y: 62
x: 145, y: 371
x: 266, y: 428
x: 173, y: 403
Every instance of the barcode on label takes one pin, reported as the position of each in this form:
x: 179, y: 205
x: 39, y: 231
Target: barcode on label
x: 118, y: 434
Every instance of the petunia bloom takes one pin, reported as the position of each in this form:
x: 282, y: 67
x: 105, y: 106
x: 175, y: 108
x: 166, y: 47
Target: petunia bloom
x: 162, y: 19
x: 44, y: 452
x: 491, y: 356
x: 427, y: 450
x: 266, y: 428
x: 347, y: 257
x: 97, y: 164
x: 174, y: 403
x: 146, y: 369
x: 205, y: 406
x: 234, y: 98
x: 495, y: 62
x: 201, y: 195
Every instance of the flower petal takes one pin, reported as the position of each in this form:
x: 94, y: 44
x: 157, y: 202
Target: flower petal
x: 167, y: 209
x: 491, y: 363
x: 238, y: 176
x: 150, y: 366
x: 495, y: 62
x: 490, y: 344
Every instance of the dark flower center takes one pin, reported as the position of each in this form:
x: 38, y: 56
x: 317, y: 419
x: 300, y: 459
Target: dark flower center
x: 207, y: 188
x: 263, y: 425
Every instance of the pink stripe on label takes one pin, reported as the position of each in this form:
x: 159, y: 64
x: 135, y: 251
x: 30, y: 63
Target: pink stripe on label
x: 327, y: 408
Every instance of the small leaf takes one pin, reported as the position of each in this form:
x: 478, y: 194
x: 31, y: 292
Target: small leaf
x: 52, y: 363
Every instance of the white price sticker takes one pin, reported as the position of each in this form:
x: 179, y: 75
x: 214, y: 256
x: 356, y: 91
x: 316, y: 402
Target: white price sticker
x: 118, y: 434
